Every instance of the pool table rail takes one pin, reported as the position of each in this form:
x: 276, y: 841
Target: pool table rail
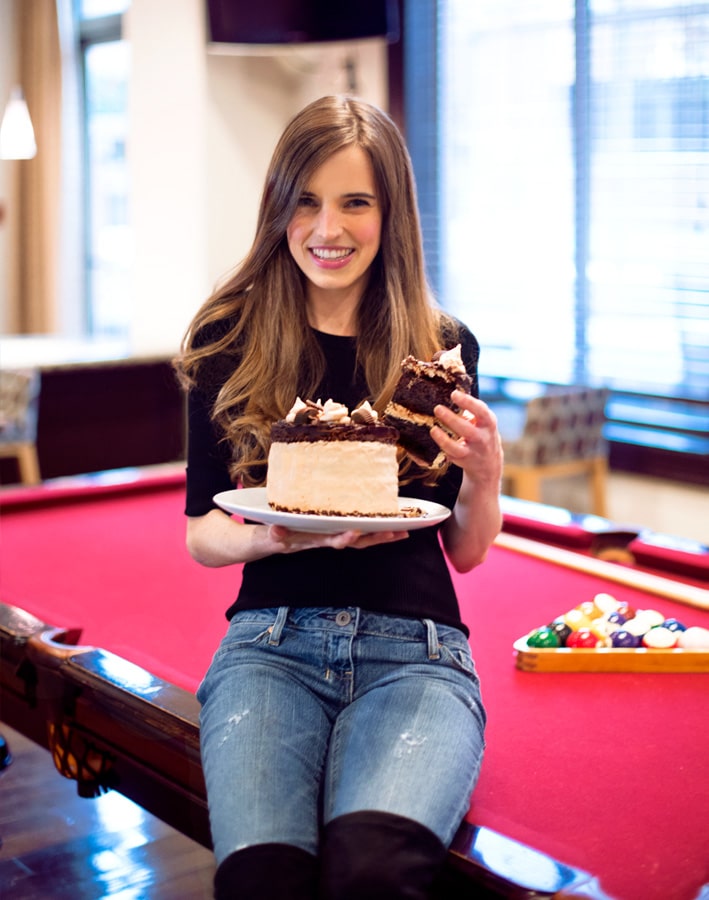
x: 110, y: 724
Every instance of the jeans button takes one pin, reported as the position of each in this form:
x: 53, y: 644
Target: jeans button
x: 343, y: 617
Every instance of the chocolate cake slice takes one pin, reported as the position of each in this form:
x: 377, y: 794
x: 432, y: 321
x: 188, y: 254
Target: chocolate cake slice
x: 421, y: 387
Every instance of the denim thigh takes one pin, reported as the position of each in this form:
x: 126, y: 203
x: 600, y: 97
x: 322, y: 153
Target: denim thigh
x: 308, y: 714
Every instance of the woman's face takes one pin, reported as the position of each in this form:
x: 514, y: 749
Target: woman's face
x: 335, y: 232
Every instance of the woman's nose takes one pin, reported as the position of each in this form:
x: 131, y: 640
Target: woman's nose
x: 329, y: 222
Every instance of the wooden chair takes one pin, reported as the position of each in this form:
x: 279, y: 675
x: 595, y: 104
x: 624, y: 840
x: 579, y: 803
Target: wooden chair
x: 561, y: 436
x: 19, y: 407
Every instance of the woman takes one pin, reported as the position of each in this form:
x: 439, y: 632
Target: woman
x: 342, y: 725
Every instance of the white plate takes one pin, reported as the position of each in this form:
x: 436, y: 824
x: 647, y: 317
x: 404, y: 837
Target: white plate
x: 251, y: 503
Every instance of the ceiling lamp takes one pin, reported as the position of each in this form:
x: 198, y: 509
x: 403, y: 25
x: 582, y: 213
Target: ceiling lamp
x: 16, y: 132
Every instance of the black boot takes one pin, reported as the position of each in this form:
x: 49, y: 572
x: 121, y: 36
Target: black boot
x: 378, y: 856
x: 267, y: 872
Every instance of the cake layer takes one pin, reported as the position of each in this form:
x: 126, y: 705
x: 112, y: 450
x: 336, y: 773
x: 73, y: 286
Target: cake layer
x: 415, y: 434
x: 421, y: 387
x: 291, y: 433
x: 344, y: 477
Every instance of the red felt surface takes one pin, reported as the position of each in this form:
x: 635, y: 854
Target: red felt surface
x: 607, y: 772
x: 117, y: 567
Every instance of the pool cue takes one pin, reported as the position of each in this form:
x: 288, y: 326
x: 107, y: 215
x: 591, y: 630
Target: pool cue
x: 644, y: 581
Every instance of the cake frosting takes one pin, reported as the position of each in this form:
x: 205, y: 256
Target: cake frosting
x: 421, y: 386
x: 324, y: 461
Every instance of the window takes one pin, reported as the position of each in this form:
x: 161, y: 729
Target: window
x: 573, y: 177
x: 108, y: 249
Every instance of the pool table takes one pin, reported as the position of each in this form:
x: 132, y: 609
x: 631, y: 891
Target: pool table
x: 594, y: 784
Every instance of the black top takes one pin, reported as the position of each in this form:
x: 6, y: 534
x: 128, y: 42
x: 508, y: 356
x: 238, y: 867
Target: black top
x: 404, y: 578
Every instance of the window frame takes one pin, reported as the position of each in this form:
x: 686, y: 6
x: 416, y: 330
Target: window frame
x: 660, y: 436
x: 89, y: 32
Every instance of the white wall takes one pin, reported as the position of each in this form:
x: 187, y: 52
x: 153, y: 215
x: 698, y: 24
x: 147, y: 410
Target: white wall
x: 202, y: 129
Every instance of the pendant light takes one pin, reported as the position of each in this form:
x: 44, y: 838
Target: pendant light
x: 16, y: 133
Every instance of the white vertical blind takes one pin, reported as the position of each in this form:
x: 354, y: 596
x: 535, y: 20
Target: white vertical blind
x: 579, y: 126
x: 648, y: 269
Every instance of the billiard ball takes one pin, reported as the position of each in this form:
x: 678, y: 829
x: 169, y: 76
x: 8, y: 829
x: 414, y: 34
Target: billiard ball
x: 616, y: 618
x: 649, y: 617
x: 636, y: 626
x: 674, y: 625
x: 659, y: 638
x: 625, y: 609
x: 590, y: 609
x: 624, y: 640
x: 694, y: 638
x: 605, y: 626
x: 584, y: 639
x: 561, y: 630
x: 606, y: 602
x: 600, y: 632
x: 576, y: 619
x: 543, y: 637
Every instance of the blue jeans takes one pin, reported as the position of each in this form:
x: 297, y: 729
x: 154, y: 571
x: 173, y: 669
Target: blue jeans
x: 311, y: 714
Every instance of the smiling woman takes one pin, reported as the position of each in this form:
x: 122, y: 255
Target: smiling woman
x: 344, y: 639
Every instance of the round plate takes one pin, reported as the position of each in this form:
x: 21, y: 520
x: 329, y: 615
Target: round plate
x: 251, y: 503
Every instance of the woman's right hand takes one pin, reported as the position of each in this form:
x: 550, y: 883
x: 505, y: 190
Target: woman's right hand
x: 217, y: 539
x: 288, y: 540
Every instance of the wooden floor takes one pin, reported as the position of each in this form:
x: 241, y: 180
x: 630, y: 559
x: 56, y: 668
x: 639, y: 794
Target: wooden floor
x: 59, y: 846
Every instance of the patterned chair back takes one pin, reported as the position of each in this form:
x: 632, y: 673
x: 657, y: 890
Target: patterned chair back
x: 562, y: 425
x: 19, y: 406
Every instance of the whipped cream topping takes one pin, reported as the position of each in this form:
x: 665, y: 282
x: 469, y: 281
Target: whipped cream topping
x: 297, y: 408
x: 450, y: 359
x: 310, y: 411
x: 335, y: 412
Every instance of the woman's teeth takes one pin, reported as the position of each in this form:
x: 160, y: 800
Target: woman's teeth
x: 330, y: 254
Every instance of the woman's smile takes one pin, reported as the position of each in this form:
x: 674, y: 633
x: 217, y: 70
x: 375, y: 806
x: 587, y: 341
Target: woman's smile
x: 331, y: 257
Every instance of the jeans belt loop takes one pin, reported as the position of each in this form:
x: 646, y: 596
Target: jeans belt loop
x: 277, y: 629
x: 434, y: 651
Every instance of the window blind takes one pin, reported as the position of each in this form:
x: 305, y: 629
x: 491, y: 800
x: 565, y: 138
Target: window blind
x: 648, y: 273
x: 574, y: 189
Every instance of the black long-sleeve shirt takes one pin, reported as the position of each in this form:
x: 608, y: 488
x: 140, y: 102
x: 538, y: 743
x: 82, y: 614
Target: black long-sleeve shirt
x: 403, y: 578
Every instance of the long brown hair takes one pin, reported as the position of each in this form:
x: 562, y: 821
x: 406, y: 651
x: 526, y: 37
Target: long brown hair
x: 257, y: 318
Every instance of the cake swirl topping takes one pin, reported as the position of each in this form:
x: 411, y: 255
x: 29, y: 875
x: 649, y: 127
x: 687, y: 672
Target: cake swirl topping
x: 450, y: 359
x: 304, y: 413
x: 311, y: 412
x: 336, y: 413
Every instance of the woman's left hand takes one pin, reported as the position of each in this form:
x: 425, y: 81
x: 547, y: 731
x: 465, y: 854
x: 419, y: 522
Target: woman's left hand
x: 476, y: 446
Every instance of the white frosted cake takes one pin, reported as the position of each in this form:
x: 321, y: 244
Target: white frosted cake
x: 324, y: 461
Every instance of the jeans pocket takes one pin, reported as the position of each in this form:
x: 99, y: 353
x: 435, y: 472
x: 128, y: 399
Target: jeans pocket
x: 459, y: 656
x: 242, y: 634
x: 247, y: 630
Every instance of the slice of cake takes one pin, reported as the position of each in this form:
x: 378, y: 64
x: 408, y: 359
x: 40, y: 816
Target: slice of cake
x: 421, y: 387
x: 323, y: 461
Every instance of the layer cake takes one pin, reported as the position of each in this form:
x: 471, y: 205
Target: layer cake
x: 324, y: 461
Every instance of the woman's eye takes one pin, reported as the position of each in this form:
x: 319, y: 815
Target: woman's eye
x: 358, y: 201
x: 306, y: 201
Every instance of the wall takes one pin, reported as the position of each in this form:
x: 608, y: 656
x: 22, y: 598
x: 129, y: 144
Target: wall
x: 202, y: 129
x: 8, y: 78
